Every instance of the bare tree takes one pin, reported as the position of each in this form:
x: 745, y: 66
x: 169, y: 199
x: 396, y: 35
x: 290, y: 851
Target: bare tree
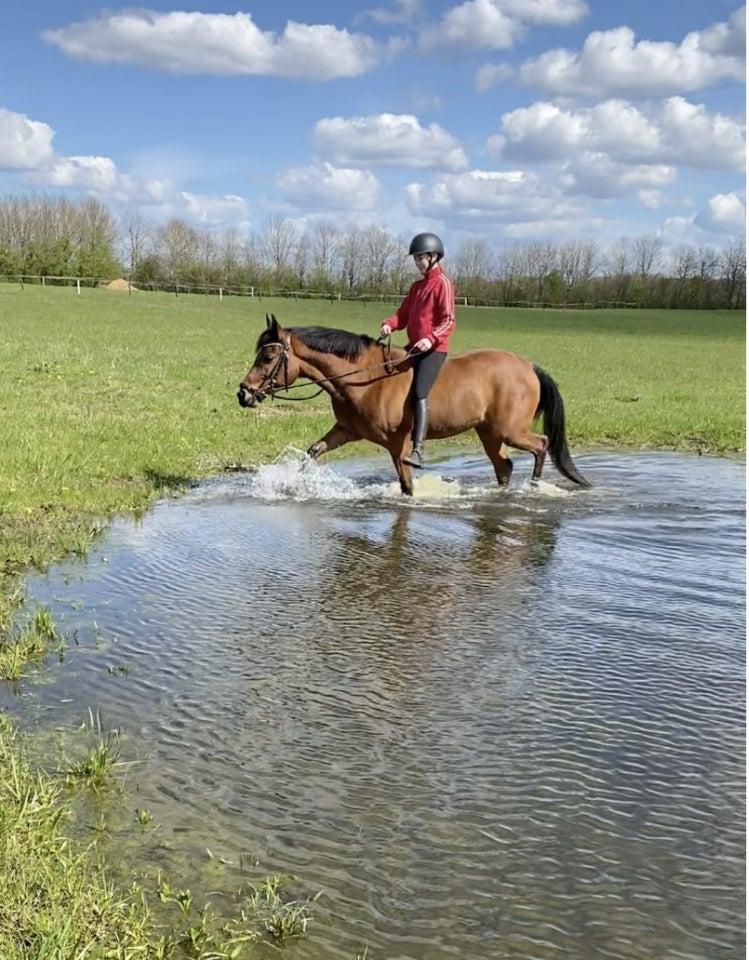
x: 377, y: 247
x: 733, y: 272
x: 324, y: 253
x: 349, y: 250
x: 647, y: 254
x: 578, y: 262
x: 176, y: 243
x: 136, y: 239
x: 279, y: 238
x: 302, y: 260
x: 230, y: 256
x: 472, y: 267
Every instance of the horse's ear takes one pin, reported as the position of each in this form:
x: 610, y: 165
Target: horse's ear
x: 267, y: 322
x: 274, y: 325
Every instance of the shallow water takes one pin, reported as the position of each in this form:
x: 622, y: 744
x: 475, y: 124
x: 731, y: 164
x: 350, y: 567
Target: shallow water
x: 483, y: 723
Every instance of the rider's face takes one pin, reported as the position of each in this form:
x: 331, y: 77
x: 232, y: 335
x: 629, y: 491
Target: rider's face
x: 423, y: 262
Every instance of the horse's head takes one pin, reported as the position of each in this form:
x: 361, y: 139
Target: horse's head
x: 275, y: 366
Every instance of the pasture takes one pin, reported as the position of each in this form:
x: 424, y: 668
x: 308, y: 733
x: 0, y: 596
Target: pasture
x: 108, y: 397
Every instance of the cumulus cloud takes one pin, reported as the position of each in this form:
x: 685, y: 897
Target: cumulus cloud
x: 489, y: 196
x: 611, y: 62
x: 496, y: 24
x: 725, y: 213
x: 387, y: 140
x: 192, y: 42
x: 597, y: 175
x: 340, y: 189
x: 671, y: 132
x: 24, y: 143
x: 97, y: 174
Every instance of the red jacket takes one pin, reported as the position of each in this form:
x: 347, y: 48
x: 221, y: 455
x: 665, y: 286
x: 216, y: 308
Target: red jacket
x: 428, y: 310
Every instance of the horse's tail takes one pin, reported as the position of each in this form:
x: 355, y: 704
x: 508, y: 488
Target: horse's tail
x: 552, y: 407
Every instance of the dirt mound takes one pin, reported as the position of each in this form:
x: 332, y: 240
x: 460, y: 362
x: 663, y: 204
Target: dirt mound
x: 119, y: 285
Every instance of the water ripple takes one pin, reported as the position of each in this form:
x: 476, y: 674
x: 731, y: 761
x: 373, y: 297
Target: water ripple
x: 484, y: 723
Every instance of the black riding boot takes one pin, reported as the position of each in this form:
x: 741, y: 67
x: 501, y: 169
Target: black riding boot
x: 416, y: 456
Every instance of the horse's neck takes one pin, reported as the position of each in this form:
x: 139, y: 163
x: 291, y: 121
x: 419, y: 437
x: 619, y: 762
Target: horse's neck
x: 338, y: 375
x: 322, y: 366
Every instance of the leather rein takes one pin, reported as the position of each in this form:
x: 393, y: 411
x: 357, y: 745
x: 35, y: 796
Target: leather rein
x: 269, y: 385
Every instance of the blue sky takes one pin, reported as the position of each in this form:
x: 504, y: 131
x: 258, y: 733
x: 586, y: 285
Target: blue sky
x: 505, y: 120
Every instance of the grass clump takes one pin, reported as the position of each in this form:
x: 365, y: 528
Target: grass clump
x: 53, y: 904
x: 21, y: 646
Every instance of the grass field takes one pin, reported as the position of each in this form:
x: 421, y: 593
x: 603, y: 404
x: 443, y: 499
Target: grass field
x: 111, y: 399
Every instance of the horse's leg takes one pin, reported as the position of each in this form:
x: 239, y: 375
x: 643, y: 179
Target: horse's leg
x: 405, y: 474
x: 335, y: 437
x: 535, y: 443
x: 497, y: 453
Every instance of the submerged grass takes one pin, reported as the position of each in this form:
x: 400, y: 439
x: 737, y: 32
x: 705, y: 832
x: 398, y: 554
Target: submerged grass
x: 111, y: 400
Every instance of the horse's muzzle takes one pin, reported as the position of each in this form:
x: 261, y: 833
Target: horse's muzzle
x: 248, y: 397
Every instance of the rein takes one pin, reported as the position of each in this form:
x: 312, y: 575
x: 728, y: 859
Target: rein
x: 282, y: 361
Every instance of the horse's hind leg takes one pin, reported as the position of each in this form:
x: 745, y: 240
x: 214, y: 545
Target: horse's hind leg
x: 497, y: 453
x: 535, y: 443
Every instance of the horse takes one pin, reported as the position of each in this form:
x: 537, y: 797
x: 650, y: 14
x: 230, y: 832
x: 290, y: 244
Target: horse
x: 494, y: 392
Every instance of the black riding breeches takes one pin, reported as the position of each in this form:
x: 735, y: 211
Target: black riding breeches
x: 426, y: 368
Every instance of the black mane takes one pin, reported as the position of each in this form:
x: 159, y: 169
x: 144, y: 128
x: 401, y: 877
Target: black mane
x: 341, y: 343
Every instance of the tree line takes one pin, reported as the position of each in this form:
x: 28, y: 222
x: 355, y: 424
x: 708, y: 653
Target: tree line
x: 42, y: 236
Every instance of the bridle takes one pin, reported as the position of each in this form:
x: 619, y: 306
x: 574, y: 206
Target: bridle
x: 269, y: 379
x: 269, y: 385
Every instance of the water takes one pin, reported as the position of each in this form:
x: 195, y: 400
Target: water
x: 484, y: 723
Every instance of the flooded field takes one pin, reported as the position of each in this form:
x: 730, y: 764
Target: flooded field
x: 480, y: 724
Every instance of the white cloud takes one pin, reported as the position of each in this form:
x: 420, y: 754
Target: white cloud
x: 401, y: 12
x: 24, y: 143
x: 725, y: 213
x: 182, y: 42
x: 331, y: 188
x: 97, y: 174
x: 597, y: 175
x: 208, y: 210
x: 489, y: 195
x: 496, y: 24
x: 611, y: 62
x: 490, y: 74
x: 672, y: 132
x: 387, y: 139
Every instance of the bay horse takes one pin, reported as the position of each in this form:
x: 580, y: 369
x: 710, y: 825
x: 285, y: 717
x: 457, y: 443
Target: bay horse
x: 494, y: 392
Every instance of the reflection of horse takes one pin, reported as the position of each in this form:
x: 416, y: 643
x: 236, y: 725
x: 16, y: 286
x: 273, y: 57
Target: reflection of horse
x: 496, y: 393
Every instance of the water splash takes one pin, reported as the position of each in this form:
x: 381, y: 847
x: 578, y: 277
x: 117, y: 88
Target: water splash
x: 295, y: 476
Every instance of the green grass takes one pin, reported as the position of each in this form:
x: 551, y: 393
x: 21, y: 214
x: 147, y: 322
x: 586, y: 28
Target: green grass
x: 110, y: 400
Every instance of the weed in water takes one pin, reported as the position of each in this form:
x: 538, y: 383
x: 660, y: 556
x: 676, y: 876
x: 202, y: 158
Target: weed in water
x: 95, y: 767
x: 143, y: 818
x: 282, y: 919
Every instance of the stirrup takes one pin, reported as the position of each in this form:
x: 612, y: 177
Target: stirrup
x: 414, y: 459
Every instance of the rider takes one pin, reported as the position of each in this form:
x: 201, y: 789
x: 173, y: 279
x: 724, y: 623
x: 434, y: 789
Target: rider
x: 428, y: 315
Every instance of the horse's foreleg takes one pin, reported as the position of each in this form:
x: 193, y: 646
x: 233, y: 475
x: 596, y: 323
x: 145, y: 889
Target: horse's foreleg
x: 335, y: 437
x: 404, y: 471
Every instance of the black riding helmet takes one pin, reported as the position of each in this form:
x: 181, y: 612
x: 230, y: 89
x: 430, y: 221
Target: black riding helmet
x: 426, y: 243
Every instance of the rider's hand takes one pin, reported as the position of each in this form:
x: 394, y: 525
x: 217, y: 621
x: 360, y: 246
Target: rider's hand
x: 423, y: 345
x: 385, y: 330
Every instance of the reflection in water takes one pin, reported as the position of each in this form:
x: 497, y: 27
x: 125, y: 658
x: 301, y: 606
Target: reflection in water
x: 485, y: 723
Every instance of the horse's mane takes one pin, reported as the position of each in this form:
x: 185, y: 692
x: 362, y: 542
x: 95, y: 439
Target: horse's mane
x: 341, y: 343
